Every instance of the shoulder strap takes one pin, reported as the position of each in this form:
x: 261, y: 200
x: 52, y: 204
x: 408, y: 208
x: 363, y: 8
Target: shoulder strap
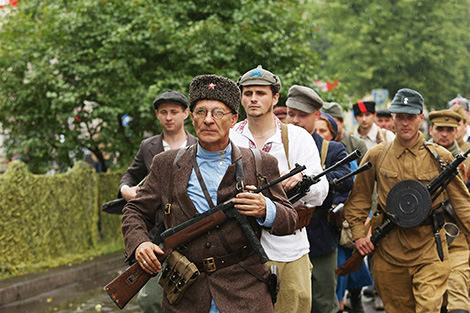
x: 170, y: 190
x: 285, y: 141
x: 261, y: 179
x: 432, y: 149
x: 324, y: 152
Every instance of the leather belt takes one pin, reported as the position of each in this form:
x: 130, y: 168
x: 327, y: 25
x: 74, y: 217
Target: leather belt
x: 440, y: 215
x: 211, y: 264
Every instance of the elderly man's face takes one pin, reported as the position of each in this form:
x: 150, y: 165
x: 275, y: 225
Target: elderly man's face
x: 213, y: 133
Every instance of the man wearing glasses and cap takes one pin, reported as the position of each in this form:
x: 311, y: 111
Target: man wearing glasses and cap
x: 407, y: 270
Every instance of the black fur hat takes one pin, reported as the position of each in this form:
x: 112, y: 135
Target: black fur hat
x: 213, y: 87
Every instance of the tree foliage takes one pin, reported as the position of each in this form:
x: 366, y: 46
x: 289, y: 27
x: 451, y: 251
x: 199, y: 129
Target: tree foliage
x: 69, y: 71
x: 423, y: 45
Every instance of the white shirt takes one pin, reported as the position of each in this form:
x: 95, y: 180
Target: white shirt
x: 467, y: 134
x: 302, y: 150
x: 371, y: 138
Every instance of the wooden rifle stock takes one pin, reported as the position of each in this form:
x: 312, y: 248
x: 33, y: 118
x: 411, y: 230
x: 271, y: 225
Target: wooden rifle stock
x: 354, y: 263
x: 124, y: 287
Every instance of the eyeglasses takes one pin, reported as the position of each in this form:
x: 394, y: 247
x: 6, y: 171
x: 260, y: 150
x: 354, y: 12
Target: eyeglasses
x: 215, y: 113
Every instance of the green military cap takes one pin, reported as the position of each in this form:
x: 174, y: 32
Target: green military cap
x: 407, y: 101
x: 445, y: 118
x: 460, y: 111
x: 260, y: 77
x: 332, y: 108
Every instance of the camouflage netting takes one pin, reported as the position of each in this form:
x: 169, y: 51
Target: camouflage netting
x: 51, y: 220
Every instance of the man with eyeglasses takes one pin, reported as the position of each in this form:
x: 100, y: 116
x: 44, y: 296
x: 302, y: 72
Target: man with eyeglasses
x: 171, y: 109
x: 290, y: 144
x: 193, y: 180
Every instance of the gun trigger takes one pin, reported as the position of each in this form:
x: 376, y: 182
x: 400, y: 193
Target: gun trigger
x: 167, y: 208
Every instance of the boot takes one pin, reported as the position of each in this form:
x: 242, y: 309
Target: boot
x: 356, y: 300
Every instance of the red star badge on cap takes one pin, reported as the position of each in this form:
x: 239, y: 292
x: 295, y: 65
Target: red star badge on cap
x: 211, y: 86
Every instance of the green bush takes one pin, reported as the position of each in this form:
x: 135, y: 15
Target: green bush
x: 52, y: 220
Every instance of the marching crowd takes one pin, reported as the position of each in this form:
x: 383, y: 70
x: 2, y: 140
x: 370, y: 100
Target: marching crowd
x: 412, y: 269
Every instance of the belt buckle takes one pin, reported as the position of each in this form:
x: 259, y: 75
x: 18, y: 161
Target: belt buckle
x: 209, y: 265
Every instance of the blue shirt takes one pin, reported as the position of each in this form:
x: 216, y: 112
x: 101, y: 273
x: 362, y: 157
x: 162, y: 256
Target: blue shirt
x: 213, y: 166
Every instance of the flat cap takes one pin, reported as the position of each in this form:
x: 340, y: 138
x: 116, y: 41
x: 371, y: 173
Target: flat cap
x: 213, y: 87
x: 407, y: 101
x: 446, y: 118
x: 171, y: 96
x: 363, y: 107
x: 460, y: 111
x: 303, y: 99
x: 383, y: 113
x: 332, y: 108
x: 460, y: 101
x: 260, y: 77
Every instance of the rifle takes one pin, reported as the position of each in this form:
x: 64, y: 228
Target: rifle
x: 334, y: 214
x: 124, y: 287
x: 301, y: 189
x: 435, y: 188
x: 116, y: 206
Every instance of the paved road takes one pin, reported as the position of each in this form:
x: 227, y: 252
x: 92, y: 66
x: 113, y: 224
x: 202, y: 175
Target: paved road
x: 89, y: 297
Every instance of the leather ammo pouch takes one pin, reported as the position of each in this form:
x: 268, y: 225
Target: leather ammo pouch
x: 177, y: 275
x: 305, y: 214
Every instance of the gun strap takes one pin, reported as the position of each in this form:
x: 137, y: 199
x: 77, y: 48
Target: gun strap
x: 167, y: 209
x: 261, y: 179
x: 324, y: 152
x: 285, y: 142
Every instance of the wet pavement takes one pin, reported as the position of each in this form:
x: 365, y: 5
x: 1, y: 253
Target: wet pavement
x: 87, y: 295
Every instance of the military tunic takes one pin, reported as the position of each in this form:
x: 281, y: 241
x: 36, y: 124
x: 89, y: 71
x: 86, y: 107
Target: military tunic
x: 406, y: 247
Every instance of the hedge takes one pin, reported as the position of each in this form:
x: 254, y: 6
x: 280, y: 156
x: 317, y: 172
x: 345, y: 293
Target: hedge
x: 52, y: 220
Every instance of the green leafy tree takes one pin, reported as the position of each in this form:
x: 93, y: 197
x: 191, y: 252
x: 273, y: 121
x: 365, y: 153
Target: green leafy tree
x: 423, y: 45
x: 69, y: 71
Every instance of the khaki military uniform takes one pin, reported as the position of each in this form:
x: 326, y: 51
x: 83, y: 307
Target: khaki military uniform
x: 407, y: 270
x: 458, y: 284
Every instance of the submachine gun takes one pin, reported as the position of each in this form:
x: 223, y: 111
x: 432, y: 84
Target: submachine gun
x: 301, y: 189
x: 124, y: 287
x: 408, y: 205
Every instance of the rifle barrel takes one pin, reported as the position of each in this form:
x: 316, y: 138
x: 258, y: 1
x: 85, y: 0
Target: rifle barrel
x: 337, y: 181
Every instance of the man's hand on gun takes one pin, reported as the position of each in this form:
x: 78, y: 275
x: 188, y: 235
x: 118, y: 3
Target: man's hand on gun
x: 145, y: 256
x: 291, y: 182
x: 129, y: 193
x: 250, y: 204
x: 364, y: 246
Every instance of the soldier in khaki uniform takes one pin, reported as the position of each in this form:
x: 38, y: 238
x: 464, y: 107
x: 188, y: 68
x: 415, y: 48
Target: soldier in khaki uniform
x: 407, y: 270
x: 462, y: 128
x: 443, y: 131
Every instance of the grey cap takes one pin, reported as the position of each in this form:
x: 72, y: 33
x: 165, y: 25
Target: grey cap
x: 171, y: 96
x: 460, y: 101
x: 407, y: 101
x: 332, y: 108
x: 303, y: 99
x: 260, y: 77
